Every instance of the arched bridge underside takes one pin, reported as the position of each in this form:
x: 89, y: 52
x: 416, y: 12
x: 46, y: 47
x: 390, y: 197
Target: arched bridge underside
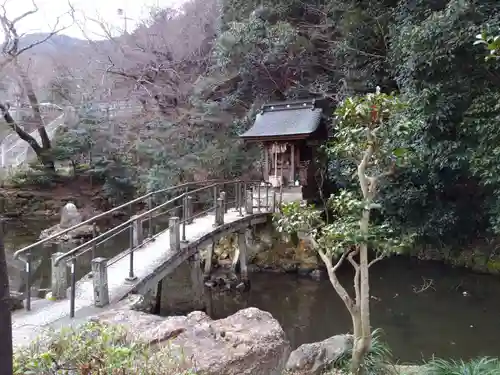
x: 164, y: 228
x: 198, y: 239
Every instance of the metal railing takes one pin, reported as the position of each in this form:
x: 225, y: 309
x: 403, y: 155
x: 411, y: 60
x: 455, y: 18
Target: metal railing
x: 192, y: 203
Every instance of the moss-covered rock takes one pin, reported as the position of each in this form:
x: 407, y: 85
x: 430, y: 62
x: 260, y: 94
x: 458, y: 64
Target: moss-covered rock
x: 288, y: 257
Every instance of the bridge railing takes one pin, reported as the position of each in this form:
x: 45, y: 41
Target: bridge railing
x: 182, y: 205
x: 28, y: 253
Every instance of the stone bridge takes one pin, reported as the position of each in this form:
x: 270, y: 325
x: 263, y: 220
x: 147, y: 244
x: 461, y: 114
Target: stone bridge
x: 166, y: 230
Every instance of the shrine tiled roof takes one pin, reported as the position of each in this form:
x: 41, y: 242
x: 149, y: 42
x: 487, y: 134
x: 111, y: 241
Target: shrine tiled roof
x: 285, y: 119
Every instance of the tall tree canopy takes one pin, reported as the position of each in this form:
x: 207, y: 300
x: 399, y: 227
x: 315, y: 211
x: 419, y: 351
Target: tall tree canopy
x: 423, y: 50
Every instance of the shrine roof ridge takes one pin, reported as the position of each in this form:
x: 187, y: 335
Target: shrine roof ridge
x: 297, y: 119
x: 289, y: 105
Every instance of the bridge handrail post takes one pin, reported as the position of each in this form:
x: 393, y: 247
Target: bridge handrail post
x: 267, y: 197
x: 189, y: 209
x: 136, y: 240
x: 249, y: 202
x: 137, y: 235
x: 28, y: 281
x: 73, y: 289
x: 273, y: 201
x: 219, y: 212
x: 184, y: 209
x: 100, y: 282
x: 94, y: 235
x: 258, y: 197
x: 224, y: 202
x: 184, y: 218
x: 150, y: 216
x: 237, y: 196
x: 222, y: 210
x: 240, y: 199
x: 174, y: 231
x: 59, y: 277
x: 215, y: 197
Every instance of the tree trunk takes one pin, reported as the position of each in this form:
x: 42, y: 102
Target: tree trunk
x: 43, y: 151
x: 35, y: 106
x: 44, y: 155
x: 362, y: 343
x: 363, y: 337
x: 357, y: 358
x: 365, y: 285
x: 5, y: 317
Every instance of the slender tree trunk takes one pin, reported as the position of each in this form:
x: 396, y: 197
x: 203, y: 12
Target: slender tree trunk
x: 363, y: 344
x: 35, y: 106
x: 357, y: 357
x: 42, y: 154
x: 43, y: 151
x: 5, y: 317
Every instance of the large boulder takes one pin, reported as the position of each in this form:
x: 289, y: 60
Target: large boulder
x: 317, y: 357
x: 248, y: 342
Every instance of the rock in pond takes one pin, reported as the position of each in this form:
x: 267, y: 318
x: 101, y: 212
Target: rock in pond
x: 317, y: 357
x: 249, y: 342
x: 70, y: 216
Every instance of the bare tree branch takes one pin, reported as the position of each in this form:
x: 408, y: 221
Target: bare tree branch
x: 10, y: 46
x: 11, y: 52
x: 427, y: 284
x: 377, y: 259
x: 331, y: 269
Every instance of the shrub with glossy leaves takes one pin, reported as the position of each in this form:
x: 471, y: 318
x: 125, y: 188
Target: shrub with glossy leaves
x: 491, y: 42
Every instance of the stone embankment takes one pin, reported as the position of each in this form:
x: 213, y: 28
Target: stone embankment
x: 269, y: 251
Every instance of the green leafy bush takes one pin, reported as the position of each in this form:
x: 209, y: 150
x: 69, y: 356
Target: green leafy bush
x: 491, y: 42
x: 95, y: 349
x: 34, y: 175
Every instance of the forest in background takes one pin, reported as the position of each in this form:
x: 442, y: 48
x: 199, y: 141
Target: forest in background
x: 200, y: 76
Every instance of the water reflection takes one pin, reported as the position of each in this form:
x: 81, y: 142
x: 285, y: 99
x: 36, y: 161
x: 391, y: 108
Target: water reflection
x: 457, y: 317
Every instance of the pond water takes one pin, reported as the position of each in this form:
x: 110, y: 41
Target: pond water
x: 457, y: 316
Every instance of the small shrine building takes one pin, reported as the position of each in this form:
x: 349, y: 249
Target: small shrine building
x: 291, y: 133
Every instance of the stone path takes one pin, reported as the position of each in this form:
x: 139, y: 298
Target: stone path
x: 27, y: 325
